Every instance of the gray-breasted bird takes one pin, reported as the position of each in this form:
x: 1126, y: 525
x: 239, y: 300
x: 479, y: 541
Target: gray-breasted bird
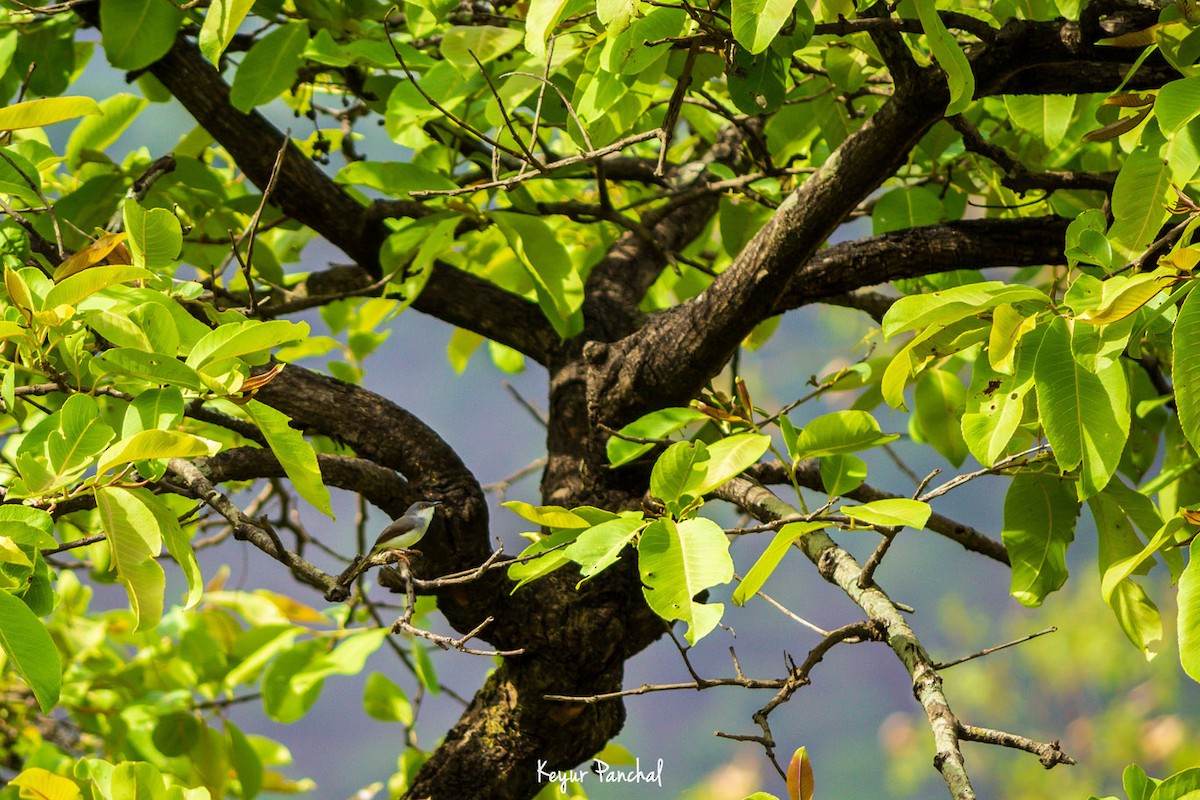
x: 404, y: 532
x: 407, y: 529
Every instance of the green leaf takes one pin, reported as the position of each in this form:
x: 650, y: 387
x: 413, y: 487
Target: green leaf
x: 770, y: 558
x: 532, y: 565
x: 153, y: 368
x: 246, y: 340
x: 995, y: 405
x: 1185, y: 339
x: 1046, y: 116
x: 153, y: 409
x: 940, y: 399
x: 347, y: 658
x: 46, y: 111
x: 180, y: 548
x: 728, y: 458
x: 484, y: 42
x: 285, y: 699
x: 891, y: 511
x: 949, y: 56
x: 756, y: 22
x: 30, y: 650
x: 136, y: 33
x: 840, y: 432
x: 269, y: 68
x: 245, y: 760
x: 155, y: 235
x: 1189, y: 614
x: 950, y: 305
x: 81, y: 434
x: 84, y: 284
x: 680, y: 466
x: 396, y: 178
x: 678, y: 561
x: 1139, y: 202
x: 1085, y: 415
x: 1177, y: 104
x: 655, y: 425
x: 549, y: 516
x: 540, y: 251
x: 222, y: 21
x: 94, y: 134
x: 842, y: 473
x: 540, y: 20
x: 295, y: 454
x: 1039, y: 524
x: 757, y: 83
x: 599, y: 547
x: 906, y: 207
x: 154, y: 444
x: 385, y: 701
x: 134, y: 539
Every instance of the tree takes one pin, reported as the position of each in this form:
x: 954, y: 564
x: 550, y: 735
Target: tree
x: 624, y: 195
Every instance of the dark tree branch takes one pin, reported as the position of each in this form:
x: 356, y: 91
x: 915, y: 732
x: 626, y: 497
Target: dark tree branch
x: 913, y: 252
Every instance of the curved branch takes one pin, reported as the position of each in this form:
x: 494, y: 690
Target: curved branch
x: 913, y: 252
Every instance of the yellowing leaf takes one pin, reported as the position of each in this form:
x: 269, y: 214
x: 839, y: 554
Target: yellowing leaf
x: 800, y: 776
x: 45, y: 111
x: 36, y: 783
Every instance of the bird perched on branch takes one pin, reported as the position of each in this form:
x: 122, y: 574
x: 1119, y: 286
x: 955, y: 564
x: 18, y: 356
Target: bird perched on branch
x: 404, y: 532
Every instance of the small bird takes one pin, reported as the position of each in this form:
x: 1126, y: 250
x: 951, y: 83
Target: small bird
x: 404, y: 532
x: 408, y: 529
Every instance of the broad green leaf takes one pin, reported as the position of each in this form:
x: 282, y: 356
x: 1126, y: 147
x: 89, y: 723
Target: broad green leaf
x: 385, y: 701
x: 155, y: 235
x: 950, y: 305
x: 81, y: 435
x: 757, y: 83
x: 31, y: 527
x: 411, y: 267
x: 756, y: 22
x: 599, y: 547
x: 295, y: 454
x: 540, y: 20
x: 784, y: 538
x: 153, y: 444
x: 95, y: 133
x: 549, y: 516
x: 995, y: 405
x: 243, y: 340
x: 558, y: 284
x: 84, y: 284
x: 949, y: 57
x: 221, y: 22
x: 134, y: 539
x: 1085, y: 415
x: 906, y: 207
x: 1177, y: 104
x: 396, y: 178
x: 1008, y: 328
x: 180, y: 548
x: 1138, y: 617
x: 1122, y: 569
x: 679, y: 467
x: 245, y: 760
x: 30, y: 650
x: 655, y: 425
x: 935, y: 342
x: 347, y: 658
x: 1046, y: 116
x: 269, y: 68
x: 890, y: 512
x: 1189, y: 614
x: 46, y: 111
x: 153, y: 409
x: 484, y: 42
x: 136, y: 33
x: 939, y: 402
x: 1184, y: 785
x: 842, y: 473
x: 727, y: 458
x: 532, y: 565
x: 283, y: 699
x: 1185, y: 339
x: 1039, y: 524
x: 1139, y: 202
x: 840, y: 432
x: 678, y: 561
x: 154, y: 368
